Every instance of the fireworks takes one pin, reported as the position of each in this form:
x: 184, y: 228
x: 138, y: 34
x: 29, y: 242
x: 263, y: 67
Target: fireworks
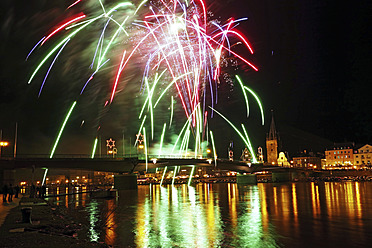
x: 179, y: 51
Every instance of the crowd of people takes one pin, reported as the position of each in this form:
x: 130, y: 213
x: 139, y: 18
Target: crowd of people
x: 9, y: 191
x: 37, y: 192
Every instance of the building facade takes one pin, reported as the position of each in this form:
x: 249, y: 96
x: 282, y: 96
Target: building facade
x: 282, y: 160
x: 340, y: 157
x: 308, y: 162
x: 363, y: 157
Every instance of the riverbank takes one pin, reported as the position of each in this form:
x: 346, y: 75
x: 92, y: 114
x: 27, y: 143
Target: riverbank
x: 51, y: 226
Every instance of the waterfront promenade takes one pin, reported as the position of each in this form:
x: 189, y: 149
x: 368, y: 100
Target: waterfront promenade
x: 51, y: 226
x: 5, y: 207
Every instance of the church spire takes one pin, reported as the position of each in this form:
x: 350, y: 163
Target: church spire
x: 272, y: 132
x: 272, y: 143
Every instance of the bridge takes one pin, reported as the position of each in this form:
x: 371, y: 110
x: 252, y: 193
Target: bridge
x: 126, y: 164
x: 138, y: 163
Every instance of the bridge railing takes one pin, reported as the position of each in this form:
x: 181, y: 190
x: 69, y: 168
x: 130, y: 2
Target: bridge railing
x: 104, y: 156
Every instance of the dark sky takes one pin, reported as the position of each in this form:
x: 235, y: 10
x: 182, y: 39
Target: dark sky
x: 314, y: 59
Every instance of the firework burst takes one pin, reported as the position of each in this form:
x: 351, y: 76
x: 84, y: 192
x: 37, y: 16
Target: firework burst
x: 179, y: 51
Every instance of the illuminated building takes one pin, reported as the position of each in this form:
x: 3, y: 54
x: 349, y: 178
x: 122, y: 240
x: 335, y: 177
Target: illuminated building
x: 246, y: 155
x: 307, y: 160
x: 339, y: 157
x: 260, y: 155
x: 282, y: 160
x: 272, y: 144
x: 363, y: 157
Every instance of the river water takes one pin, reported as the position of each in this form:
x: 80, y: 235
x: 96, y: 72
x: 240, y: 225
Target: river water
x: 301, y: 214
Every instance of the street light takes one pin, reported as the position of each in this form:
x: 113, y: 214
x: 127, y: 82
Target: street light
x: 3, y: 144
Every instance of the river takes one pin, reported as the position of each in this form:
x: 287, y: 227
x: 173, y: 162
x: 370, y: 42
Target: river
x: 301, y: 214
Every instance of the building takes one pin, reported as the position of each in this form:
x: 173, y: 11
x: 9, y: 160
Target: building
x: 307, y: 162
x: 272, y: 144
x: 246, y: 155
x: 339, y: 158
x: 282, y: 160
x: 363, y: 157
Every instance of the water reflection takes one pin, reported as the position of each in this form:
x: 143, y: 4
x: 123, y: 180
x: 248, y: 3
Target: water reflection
x: 177, y: 218
x: 226, y: 215
x: 92, y: 209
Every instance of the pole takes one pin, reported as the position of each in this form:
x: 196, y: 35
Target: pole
x: 1, y: 138
x: 15, y: 140
x: 130, y: 146
x: 100, y: 146
x: 123, y: 146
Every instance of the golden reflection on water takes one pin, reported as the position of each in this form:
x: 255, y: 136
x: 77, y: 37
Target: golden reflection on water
x: 294, y: 202
x: 358, y: 201
x: 343, y: 198
x: 232, y: 188
x: 141, y: 228
x: 264, y: 206
x: 275, y: 199
x: 110, y: 222
x: 177, y: 218
x: 220, y: 215
x: 315, y: 199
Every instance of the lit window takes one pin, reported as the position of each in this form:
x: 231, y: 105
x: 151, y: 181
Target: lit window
x: 338, y: 152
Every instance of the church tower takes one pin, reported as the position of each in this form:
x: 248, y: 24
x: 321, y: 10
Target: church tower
x: 272, y: 143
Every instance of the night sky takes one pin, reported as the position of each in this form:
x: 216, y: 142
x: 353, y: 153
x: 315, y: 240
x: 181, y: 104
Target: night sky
x: 314, y: 60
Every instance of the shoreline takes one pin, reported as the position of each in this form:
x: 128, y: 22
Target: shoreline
x: 6, y: 207
x: 51, y: 226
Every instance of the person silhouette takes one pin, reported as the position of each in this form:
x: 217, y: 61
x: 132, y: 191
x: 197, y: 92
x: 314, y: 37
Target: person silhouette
x: 10, y: 193
x: 16, y: 189
x: 5, y: 192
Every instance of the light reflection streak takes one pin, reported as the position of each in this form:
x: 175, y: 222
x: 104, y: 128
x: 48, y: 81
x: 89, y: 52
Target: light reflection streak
x: 163, y: 218
x: 350, y: 201
x: 285, y: 203
x: 264, y: 207
x: 77, y: 197
x: 232, y: 204
x: 211, y: 218
x: 315, y: 199
x: 93, y: 212
x: 110, y: 223
x: 142, y: 228
x: 358, y: 202
x: 250, y: 222
x: 294, y: 202
x: 275, y: 199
